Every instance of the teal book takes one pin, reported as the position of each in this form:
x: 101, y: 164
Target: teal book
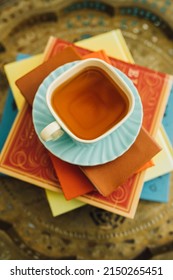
x: 158, y: 189
x: 9, y: 113
x: 8, y: 116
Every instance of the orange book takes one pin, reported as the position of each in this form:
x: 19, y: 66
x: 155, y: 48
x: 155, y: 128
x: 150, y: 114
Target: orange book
x: 28, y: 85
x: 73, y: 182
x: 104, y: 176
x: 98, y: 54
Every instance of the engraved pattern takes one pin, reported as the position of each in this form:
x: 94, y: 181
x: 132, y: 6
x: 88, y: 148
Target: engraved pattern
x: 120, y: 195
x: 121, y: 198
x: 149, y: 86
x: 24, y: 158
x: 29, y: 235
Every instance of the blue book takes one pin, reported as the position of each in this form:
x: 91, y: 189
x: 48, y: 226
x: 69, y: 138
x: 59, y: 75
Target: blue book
x: 8, y: 116
x: 9, y: 112
x: 158, y: 188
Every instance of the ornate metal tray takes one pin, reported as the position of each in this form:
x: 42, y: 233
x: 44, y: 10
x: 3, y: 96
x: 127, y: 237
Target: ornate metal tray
x: 27, y: 228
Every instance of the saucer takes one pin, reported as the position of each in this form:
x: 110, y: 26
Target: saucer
x: 100, y: 152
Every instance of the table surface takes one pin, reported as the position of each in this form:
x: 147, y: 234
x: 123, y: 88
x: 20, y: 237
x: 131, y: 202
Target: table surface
x: 27, y: 228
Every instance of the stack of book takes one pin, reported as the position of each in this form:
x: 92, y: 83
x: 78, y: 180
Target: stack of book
x: 141, y: 172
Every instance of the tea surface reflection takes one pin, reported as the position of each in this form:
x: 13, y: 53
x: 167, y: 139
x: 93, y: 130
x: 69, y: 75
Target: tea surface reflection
x: 90, y: 103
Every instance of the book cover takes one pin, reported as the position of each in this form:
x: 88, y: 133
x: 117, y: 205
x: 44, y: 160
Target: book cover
x: 28, y: 87
x: 159, y: 85
x: 8, y: 115
x: 112, y: 42
x: 104, y: 176
x: 24, y: 68
x: 59, y: 205
x: 157, y: 190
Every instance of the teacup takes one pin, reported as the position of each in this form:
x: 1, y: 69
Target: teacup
x: 88, y: 101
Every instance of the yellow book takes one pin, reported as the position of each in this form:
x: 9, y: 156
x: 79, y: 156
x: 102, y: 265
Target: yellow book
x: 112, y: 42
x: 59, y: 205
x: 15, y: 70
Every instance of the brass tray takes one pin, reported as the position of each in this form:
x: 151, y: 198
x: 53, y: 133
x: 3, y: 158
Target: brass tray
x: 27, y: 228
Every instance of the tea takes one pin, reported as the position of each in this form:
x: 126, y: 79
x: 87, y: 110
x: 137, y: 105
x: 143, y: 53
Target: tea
x: 90, y: 103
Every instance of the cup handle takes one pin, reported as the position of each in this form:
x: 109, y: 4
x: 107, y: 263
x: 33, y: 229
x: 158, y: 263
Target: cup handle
x: 51, y: 132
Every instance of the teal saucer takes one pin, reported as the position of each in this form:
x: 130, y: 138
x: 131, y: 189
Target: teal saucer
x: 105, y: 150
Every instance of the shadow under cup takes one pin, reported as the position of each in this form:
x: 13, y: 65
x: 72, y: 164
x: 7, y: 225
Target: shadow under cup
x: 90, y: 103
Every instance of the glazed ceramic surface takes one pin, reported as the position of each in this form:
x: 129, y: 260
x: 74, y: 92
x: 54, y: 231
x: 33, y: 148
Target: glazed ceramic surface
x: 105, y: 150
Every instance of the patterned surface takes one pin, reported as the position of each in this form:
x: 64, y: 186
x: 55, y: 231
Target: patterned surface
x: 27, y: 228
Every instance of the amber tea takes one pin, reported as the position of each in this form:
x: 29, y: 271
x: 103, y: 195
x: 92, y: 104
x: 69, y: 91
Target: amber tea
x: 90, y: 103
